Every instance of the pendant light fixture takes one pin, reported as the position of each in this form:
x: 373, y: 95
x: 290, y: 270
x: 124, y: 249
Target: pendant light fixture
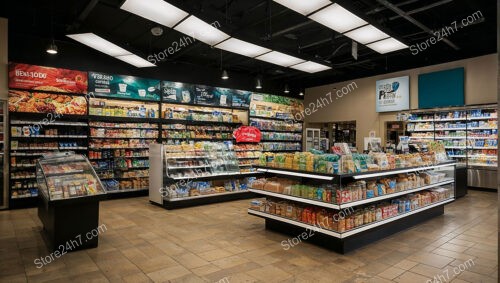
x: 224, y: 74
x: 52, y: 48
x: 301, y: 93
x: 287, y: 89
x: 258, y: 82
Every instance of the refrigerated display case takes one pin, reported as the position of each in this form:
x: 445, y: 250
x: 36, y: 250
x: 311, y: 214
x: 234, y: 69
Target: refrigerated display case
x: 470, y: 136
x: 312, y: 138
x: 70, y: 192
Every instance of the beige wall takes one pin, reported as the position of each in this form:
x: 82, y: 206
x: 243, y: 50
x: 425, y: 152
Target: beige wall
x: 3, y: 57
x: 359, y: 104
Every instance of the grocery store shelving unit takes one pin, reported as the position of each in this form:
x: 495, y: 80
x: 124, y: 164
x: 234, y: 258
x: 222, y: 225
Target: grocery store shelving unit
x: 120, y: 134
x: 278, y: 134
x: 4, y: 166
x: 63, y: 133
x: 470, y: 136
x: 348, y: 240
x: 119, y: 153
x: 167, y: 172
x: 181, y: 122
x: 248, y: 154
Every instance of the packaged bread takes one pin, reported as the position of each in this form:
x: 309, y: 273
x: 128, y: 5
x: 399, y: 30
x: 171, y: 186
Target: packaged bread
x: 272, y: 186
x: 371, y: 189
x: 272, y: 207
x: 381, y: 189
x: 373, y: 167
x: 259, y: 184
x: 255, y: 204
x: 293, y: 212
x: 289, y: 211
x: 341, y: 226
x: 282, y: 206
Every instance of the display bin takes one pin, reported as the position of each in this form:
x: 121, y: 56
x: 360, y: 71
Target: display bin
x: 284, y: 210
x: 68, y: 205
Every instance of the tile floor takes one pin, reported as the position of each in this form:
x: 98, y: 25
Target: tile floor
x: 221, y: 243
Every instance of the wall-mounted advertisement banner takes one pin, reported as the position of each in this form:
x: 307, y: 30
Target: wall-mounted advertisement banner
x: 120, y: 86
x: 178, y: 92
x: 393, y: 94
x: 224, y: 96
x: 213, y: 96
x: 42, y: 102
x: 241, y: 98
x: 275, y: 99
x: 31, y: 77
x: 275, y: 106
x: 203, y: 95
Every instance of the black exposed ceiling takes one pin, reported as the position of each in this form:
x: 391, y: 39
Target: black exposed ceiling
x: 267, y: 23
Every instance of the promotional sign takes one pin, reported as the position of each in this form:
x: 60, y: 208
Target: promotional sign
x: 247, y: 134
x: 274, y: 99
x: 241, y: 98
x: 31, y: 77
x: 393, y: 94
x: 213, y: 96
x: 203, y: 95
x: 178, y: 92
x: 121, y: 86
x: 223, y: 96
x: 42, y: 102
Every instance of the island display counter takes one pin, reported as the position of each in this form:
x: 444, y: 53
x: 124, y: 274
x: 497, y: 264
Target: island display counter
x: 348, y: 211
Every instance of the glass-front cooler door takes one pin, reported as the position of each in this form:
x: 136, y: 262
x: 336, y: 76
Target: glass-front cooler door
x: 4, y: 189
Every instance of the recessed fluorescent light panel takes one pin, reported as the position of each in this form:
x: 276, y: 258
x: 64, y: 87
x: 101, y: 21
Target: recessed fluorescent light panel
x: 106, y: 47
x: 135, y: 60
x: 157, y: 11
x: 337, y: 18
x: 99, y: 43
x: 310, y: 67
x: 201, y: 30
x: 305, y: 7
x: 242, y: 47
x: 387, y: 45
x: 279, y: 58
x: 366, y: 34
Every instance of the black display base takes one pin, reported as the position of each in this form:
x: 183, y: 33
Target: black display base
x: 460, y: 182
x: 355, y: 241
x: 23, y: 203
x: 207, y: 200
x: 127, y: 194
x: 66, y: 226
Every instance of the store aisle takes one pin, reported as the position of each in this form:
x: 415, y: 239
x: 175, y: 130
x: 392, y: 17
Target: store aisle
x: 221, y: 243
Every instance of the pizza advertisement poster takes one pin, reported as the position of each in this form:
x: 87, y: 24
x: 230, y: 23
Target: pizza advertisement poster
x: 40, y: 78
x: 42, y: 102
